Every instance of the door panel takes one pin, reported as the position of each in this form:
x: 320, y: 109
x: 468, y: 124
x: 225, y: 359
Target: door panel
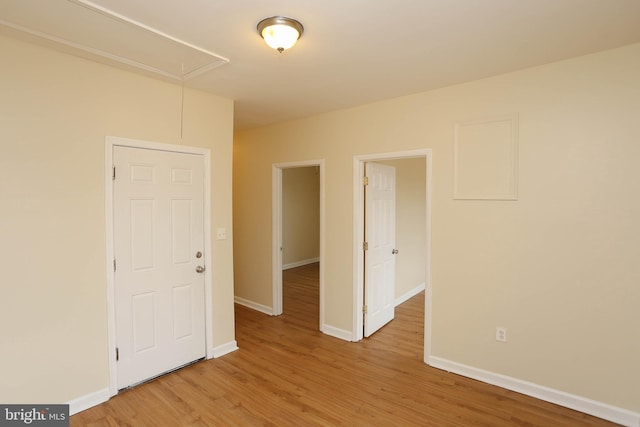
x: 158, y: 229
x: 380, y: 235
x: 142, y: 234
x: 181, y: 214
x: 143, y: 307
x: 182, y: 303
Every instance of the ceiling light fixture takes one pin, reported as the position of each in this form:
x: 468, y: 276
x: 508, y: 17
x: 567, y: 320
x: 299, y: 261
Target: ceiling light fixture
x: 279, y: 32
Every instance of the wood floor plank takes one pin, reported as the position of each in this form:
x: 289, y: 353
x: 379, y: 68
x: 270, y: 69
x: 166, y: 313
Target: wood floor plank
x: 287, y: 373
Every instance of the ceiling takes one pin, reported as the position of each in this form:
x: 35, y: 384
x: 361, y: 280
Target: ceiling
x: 352, y: 52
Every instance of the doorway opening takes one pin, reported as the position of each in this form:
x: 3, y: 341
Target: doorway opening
x: 424, y: 157
x: 298, y: 228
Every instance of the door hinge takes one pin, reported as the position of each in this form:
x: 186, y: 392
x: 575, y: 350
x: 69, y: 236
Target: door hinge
x: 113, y: 176
x: 117, y: 354
x: 365, y: 180
x: 114, y: 265
x: 365, y: 246
x: 365, y: 309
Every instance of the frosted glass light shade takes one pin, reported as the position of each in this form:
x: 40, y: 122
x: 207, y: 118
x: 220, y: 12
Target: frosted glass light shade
x: 280, y: 33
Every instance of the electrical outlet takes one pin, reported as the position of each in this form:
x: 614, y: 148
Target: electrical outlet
x: 501, y: 334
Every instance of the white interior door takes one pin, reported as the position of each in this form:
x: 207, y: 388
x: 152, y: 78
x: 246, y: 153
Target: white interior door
x: 380, y: 235
x: 158, y: 243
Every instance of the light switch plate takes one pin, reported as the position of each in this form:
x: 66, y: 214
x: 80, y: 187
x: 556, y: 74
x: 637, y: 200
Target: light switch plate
x: 221, y: 233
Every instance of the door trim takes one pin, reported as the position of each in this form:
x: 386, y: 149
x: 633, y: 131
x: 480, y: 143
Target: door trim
x: 110, y: 142
x: 276, y: 234
x: 358, y: 238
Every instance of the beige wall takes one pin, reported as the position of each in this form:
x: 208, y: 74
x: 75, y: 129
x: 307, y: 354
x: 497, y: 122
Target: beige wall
x: 55, y: 111
x: 300, y: 214
x: 411, y: 214
x: 558, y: 267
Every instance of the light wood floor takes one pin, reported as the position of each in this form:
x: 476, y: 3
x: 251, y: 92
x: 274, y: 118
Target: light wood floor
x: 286, y: 373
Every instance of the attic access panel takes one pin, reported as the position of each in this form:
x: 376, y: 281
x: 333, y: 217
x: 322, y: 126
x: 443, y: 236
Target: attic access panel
x: 89, y: 30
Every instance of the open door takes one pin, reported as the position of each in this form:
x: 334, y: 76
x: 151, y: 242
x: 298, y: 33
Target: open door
x: 380, y: 240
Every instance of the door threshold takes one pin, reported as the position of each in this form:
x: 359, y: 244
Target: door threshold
x: 161, y: 375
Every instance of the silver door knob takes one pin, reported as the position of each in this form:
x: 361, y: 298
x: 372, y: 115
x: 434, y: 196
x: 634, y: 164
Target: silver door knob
x: 199, y: 269
x: 394, y: 251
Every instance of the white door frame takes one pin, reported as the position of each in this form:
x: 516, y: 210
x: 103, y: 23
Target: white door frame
x: 276, y: 236
x: 358, y: 238
x: 110, y: 142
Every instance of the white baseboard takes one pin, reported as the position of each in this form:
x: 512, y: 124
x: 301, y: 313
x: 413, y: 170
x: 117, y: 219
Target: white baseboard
x: 337, y: 332
x: 254, y: 305
x: 578, y: 403
x: 412, y: 293
x: 88, y: 401
x: 223, y: 349
x: 300, y: 263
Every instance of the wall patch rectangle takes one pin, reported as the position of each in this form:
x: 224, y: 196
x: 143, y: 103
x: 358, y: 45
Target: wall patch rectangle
x: 486, y: 159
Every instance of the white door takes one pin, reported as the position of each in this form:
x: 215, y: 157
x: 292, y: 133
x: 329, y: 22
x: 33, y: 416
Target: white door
x: 158, y: 242
x: 380, y: 235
